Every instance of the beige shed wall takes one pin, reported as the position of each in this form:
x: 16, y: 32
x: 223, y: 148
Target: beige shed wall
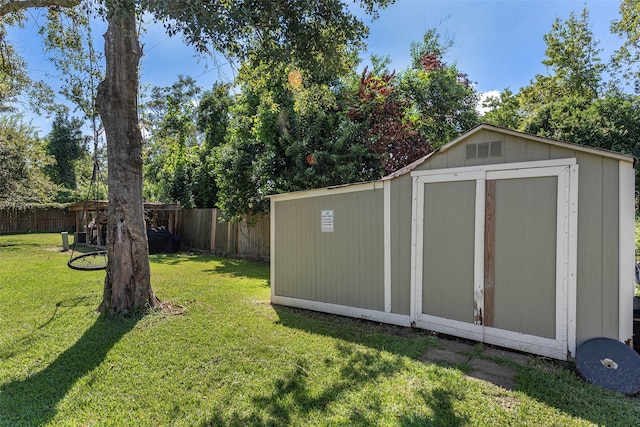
x: 343, y: 267
x: 401, y: 211
x: 597, y: 292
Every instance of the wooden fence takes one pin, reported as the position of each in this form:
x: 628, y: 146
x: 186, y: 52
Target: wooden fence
x: 201, y: 229
x: 36, y: 219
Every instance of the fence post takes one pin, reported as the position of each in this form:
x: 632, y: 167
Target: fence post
x: 214, y: 226
x: 65, y: 241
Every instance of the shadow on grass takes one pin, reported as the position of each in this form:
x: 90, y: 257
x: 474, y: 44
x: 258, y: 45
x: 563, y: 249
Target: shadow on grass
x: 235, y: 267
x: 291, y: 399
x: 20, y: 344
x: 69, y: 303
x: 407, y: 342
x: 241, y: 268
x: 15, y: 246
x: 33, y: 400
x: 230, y: 266
x: 296, y: 396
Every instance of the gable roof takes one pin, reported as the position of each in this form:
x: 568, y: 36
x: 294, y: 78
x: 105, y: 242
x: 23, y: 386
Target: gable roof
x: 485, y: 126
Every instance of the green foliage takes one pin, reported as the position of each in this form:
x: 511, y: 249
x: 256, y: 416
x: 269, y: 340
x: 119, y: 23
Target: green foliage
x: 213, y: 114
x: 381, y: 111
x: 316, y: 33
x: 504, y: 110
x: 285, y: 137
x: 626, y: 60
x: 68, y: 40
x: 335, y: 128
x: 572, y: 56
x: 184, y: 129
x: 22, y: 180
x: 171, y: 154
x: 324, y: 148
x: 13, y: 76
x: 441, y: 98
x: 65, y: 144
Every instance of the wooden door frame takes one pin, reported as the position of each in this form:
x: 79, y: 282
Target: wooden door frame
x: 566, y: 171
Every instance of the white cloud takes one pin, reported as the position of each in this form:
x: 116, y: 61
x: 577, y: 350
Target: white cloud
x: 483, y: 97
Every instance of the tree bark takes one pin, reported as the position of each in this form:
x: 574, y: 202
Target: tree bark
x: 127, y: 284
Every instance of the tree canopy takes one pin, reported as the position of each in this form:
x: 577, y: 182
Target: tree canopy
x: 22, y: 181
x: 574, y: 102
x: 66, y: 145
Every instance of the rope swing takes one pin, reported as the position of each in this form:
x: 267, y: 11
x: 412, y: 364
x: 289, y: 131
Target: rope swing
x: 96, y: 259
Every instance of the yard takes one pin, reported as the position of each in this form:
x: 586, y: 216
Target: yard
x: 232, y: 359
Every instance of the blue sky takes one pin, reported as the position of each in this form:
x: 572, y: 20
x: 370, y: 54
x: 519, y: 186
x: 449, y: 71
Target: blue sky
x: 499, y: 44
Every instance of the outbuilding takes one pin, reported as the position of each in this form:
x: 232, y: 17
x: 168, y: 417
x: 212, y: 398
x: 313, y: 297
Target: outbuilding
x: 498, y: 236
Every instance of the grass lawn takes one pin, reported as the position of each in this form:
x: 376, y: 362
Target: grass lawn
x: 232, y: 359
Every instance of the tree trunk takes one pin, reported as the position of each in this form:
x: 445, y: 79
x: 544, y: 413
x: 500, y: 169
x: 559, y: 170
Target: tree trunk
x: 127, y: 285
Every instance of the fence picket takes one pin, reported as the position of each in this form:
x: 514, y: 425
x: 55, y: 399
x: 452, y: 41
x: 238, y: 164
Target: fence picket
x: 199, y: 229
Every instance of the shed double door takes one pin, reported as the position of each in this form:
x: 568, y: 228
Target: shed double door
x: 494, y: 255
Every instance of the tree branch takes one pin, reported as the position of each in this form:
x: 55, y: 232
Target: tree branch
x: 16, y: 6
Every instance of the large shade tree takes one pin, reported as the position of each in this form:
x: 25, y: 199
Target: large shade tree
x: 314, y: 31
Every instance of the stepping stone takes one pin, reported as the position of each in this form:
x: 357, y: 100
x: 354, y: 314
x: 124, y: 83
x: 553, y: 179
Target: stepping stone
x: 492, y: 368
x: 518, y: 358
x: 493, y: 372
x: 456, y: 346
x: 440, y: 355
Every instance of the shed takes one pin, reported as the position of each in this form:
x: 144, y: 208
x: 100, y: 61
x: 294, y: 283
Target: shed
x: 498, y: 236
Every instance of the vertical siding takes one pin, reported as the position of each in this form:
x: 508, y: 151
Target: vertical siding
x: 597, y: 294
x: 525, y: 256
x: 342, y: 267
x: 514, y: 150
x: 589, y: 293
x: 295, y: 266
x: 349, y: 261
x: 401, y: 212
x: 562, y: 153
x: 346, y: 267
x: 610, y: 247
x: 449, y: 231
x: 537, y: 151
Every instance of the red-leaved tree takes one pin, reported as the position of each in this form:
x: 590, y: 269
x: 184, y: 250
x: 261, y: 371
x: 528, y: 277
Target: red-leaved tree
x: 389, y: 129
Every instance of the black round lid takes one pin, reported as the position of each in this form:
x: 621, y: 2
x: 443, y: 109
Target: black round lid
x: 609, y: 364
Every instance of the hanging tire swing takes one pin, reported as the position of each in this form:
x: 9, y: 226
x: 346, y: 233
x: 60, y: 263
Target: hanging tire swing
x: 97, y: 258
x: 88, y: 262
